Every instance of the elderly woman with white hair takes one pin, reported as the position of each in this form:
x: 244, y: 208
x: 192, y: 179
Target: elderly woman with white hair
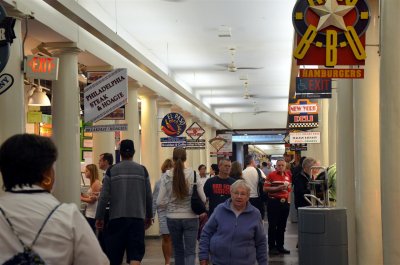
x: 234, y: 234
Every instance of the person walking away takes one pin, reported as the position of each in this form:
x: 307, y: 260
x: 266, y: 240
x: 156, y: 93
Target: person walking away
x: 278, y: 186
x: 166, y: 243
x: 127, y: 188
x: 175, y: 195
x: 27, y: 168
x: 90, y: 198
x: 250, y: 174
x: 234, y: 234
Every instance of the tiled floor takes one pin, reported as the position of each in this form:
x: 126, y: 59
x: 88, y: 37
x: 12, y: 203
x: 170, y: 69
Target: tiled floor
x: 154, y: 254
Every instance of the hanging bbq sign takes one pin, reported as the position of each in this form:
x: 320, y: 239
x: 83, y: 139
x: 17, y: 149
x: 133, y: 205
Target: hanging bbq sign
x: 6, y: 38
x: 330, y: 32
x: 173, y: 124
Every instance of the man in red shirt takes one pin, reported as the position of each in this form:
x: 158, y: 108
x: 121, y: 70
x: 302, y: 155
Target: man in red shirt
x: 278, y: 186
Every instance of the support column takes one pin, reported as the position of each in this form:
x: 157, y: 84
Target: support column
x: 367, y: 151
x: 65, y: 112
x: 213, y: 160
x: 332, y: 141
x: 389, y: 129
x: 132, y: 119
x: 196, y: 152
x: 345, y: 162
x: 164, y: 152
x: 150, y: 143
x: 12, y: 102
x: 189, y: 153
x: 103, y: 142
x: 203, y: 153
x: 207, y: 136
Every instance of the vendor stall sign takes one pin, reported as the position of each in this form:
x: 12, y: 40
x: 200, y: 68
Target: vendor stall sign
x: 303, y: 114
x: 106, y: 95
x: 41, y: 67
x: 222, y: 143
x: 179, y: 141
x: 195, y: 131
x: 330, y: 32
x: 106, y: 128
x: 173, y: 124
x: 313, y: 87
x: 305, y: 138
x: 198, y: 144
x: 332, y: 73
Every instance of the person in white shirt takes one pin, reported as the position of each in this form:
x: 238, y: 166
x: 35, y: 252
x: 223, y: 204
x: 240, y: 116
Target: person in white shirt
x: 27, y: 168
x: 250, y: 174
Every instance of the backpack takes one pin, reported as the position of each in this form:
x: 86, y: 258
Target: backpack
x: 28, y: 256
x: 260, y: 187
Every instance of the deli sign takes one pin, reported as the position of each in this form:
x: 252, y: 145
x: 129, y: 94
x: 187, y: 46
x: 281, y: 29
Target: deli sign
x: 41, y: 67
x: 303, y: 114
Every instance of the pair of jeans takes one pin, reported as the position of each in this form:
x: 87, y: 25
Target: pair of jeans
x: 184, y: 236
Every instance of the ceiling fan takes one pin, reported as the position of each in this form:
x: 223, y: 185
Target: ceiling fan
x: 231, y: 67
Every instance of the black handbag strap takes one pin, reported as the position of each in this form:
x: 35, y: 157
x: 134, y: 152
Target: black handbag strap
x: 195, y: 182
x: 38, y: 233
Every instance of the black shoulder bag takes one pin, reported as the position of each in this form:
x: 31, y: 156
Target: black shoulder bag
x: 260, y: 187
x: 198, y: 206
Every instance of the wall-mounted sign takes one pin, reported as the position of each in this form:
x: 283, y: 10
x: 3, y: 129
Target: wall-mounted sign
x: 313, y: 87
x: 305, y: 138
x: 41, y: 67
x: 106, y: 128
x: 173, y: 141
x: 106, y: 95
x: 173, y: 124
x: 222, y: 143
x: 6, y: 37
x: 195, y: 131
x: 332, y: 73
x: 195, y: 144
x: 330, y: 32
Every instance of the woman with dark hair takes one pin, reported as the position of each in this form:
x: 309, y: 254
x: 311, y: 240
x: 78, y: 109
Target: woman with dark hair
x: 236, y: 170
x: 91, y: 196
x: 166, y: 243
x: 27, y: 167
x: 175, y: 193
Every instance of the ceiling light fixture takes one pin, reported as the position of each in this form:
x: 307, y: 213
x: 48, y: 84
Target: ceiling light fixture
x: 39, y: 97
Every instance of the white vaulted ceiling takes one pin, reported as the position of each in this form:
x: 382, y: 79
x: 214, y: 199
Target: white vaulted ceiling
x: 181, y: 38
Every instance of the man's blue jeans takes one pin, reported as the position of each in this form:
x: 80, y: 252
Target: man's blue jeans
x: 184, y: 235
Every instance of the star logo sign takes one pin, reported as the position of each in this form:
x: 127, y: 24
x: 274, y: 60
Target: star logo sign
x: 330, y: 32
x: 331, y: 14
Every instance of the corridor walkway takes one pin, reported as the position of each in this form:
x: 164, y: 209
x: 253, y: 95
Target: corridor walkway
x: 154, y: 254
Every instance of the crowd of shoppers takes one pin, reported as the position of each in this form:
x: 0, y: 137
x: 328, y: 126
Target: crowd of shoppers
x: 233, y: 231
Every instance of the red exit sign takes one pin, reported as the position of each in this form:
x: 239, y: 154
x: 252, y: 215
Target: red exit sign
x: 41, y: 67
